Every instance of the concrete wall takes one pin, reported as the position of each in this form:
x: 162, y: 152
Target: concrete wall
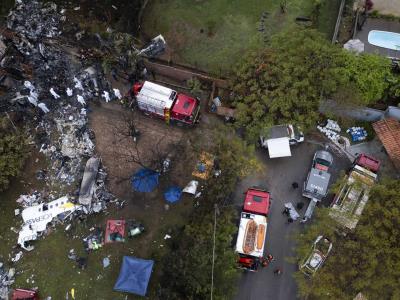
x: 363, y: 114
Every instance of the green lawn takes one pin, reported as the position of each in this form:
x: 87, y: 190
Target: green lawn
x: 48, y: 266
x: 214, y: 34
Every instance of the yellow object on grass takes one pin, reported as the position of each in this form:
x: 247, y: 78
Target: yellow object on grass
x: 207, y: 160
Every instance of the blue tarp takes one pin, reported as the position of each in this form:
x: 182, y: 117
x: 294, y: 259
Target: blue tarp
x: 134, y: 275
x: 173, y: 194
x: 145, y: 180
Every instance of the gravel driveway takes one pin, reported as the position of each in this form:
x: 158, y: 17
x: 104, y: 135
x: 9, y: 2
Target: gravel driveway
x: 278, y: 177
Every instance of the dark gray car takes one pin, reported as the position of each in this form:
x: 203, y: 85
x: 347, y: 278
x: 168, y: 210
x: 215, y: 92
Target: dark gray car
x: 316, y: 185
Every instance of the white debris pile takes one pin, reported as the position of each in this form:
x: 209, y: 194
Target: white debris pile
x: 331, y: 130
x: 29, y: 200
x: 53, y: 102
x: 6, y: 280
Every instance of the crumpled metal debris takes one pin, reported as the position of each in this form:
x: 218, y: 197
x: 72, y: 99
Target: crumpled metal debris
x: 36, y: 218
x: 29, y: 200
x: 6, y: 280
x: 94, y: 241
x: 191, y: 187
x: 52, y: 91
x: 155, y: 48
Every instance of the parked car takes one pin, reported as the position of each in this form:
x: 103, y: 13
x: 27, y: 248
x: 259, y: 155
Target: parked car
x: 320, y: 251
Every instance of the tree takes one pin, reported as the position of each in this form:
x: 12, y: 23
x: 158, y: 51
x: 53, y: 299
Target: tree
x: 12, y: 153
x: 286, y: 82
x: 187, y: 265
x: 368, y: 74
x: 367, y: 260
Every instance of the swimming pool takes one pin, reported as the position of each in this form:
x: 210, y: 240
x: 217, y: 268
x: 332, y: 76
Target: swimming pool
x: 384, y: 39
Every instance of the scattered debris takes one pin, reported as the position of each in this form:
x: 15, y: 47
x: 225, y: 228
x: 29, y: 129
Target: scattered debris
x: 155, y: 48
x: 134, y: 228
x: 191, y: 187
x: 6, y: 280
x: 88, y: 182
x: 292, y: 211
x: 72, y: 255
x: 204, y: 166
x: 331, y: 130
x: 358, y: 134
x: 106, y: 262
x: 82, y: 263
x: 29, y: 200
x: 94, y: 241
x: 17, y: 257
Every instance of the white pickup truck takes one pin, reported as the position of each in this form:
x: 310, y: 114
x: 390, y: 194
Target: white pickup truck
x: 278, y: 139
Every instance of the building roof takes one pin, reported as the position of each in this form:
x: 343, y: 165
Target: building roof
x: 388, y: 131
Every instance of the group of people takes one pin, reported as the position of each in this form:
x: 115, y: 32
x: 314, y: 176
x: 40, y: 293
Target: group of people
x: 265, y: 261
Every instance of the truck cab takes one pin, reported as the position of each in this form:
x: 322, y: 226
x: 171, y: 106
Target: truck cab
x: 252, y: 229
x: 278, y: 139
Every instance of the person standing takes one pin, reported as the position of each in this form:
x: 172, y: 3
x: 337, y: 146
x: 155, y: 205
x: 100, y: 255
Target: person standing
x: 277, y: 271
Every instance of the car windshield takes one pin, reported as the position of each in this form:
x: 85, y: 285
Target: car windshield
x: 323, y: 162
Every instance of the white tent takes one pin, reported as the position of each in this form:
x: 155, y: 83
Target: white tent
x: 279, y: 147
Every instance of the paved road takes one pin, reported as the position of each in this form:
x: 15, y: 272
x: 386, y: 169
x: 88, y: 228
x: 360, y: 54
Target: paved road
x: 278, y: 177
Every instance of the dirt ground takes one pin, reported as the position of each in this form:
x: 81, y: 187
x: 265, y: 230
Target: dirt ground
x: 108, y: 120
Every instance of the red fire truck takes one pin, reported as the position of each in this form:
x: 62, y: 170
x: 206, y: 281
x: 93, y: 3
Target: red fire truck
x: 252, y: 229
x: 167, y: 104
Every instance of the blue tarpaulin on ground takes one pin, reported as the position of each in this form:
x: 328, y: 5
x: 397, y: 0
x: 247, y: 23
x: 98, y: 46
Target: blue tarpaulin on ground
x: 134, y: 275
x: 173, y: 194
x: 145, y: 180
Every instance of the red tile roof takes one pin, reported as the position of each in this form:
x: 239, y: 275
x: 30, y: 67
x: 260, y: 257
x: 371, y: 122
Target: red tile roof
x: 388, y: 131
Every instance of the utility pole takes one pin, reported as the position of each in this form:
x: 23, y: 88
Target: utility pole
x: 213, y: 254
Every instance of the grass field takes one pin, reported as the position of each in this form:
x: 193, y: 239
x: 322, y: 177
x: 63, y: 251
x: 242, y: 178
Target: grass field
x: 48, y: 266
x: 214, y: 34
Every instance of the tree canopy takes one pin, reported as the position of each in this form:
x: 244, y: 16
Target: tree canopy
x: 12, y: 153
x: 286, y: 81
x: 367, y: 260
x: 187, y: 265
